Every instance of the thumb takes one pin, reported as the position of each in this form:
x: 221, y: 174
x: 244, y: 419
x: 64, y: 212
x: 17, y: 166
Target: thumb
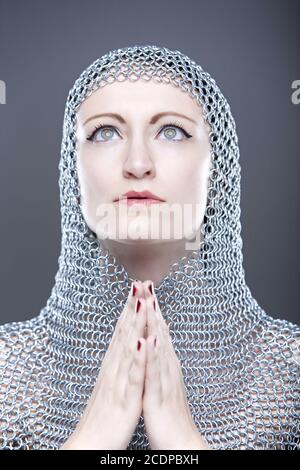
x: 152, y: 383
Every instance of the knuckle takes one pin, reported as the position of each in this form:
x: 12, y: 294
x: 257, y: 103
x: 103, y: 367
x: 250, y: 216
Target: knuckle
x: 129, y: 350
x: 131, y: 347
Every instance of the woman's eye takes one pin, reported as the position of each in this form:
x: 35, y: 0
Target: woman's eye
x: 170, y: 132
x: 106, y: 132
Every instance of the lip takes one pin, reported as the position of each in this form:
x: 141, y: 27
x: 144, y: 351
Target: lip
x: 132, y: 201
x: 142, y: 197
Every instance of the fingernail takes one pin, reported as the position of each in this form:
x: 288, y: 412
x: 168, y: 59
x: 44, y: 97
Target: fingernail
x: 133, y: 290
x: 155, y: 341
x: 139, y: 344
x: 137, y: 305
x: 154, y: 305
x: 150, y: 287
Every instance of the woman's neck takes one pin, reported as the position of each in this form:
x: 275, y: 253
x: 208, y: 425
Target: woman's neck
x: 144, y: 260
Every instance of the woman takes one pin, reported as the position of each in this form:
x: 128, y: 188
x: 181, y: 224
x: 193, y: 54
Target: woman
x: 150, y: 341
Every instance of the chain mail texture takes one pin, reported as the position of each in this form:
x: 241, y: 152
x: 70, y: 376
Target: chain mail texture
x: 240, y: 365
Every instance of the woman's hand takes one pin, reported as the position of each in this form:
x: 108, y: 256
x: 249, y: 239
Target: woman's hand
x: 115, y: 406
x: 168, y: 420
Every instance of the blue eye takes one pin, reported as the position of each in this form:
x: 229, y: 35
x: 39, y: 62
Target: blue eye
x: 170, y: 131
x: 108, y: 132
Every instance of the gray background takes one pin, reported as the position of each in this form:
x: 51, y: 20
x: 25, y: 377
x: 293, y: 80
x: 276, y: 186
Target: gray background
x: 252, y: 51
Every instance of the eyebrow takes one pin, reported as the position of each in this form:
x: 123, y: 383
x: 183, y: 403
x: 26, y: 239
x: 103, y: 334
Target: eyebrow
x: 153, y: 120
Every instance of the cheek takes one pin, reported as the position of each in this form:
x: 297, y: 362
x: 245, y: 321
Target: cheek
x: 194, y: 181
x: 94, y: 177
x: 96, y: 183
x: 200, y: 181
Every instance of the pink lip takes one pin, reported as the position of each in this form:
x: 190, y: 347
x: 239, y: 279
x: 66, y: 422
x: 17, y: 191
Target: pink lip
x: 143, y: 195
x: 132, y: 201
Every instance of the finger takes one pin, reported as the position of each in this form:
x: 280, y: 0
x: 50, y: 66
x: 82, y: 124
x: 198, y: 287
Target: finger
x: 136, y: 372
x: 151, y: 320
x: 150, y: 294
x: 152, y: 374
x: 169, y: 364
x: 157, y: 325
x: 135, y: 330
x: 155, y: 321
x: 136, y: 291
x: 126, y: 316
x: 148, y: 287
x: 164, y: 362
x: 140, y: 315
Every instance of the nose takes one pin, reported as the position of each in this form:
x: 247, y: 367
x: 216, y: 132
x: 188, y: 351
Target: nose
x: 138, y: 162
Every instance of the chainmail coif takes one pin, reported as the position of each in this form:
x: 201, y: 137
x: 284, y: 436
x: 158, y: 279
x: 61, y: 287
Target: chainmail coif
x: 240, y: 366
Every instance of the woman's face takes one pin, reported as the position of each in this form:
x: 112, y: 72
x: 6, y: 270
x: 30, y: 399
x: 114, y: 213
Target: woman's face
x: 137, y: 154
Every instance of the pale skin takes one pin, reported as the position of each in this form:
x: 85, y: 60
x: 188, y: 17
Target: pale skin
x: 138, y: 156
x: 132, y: 382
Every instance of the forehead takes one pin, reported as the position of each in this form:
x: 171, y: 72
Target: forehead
x: 145, y: 98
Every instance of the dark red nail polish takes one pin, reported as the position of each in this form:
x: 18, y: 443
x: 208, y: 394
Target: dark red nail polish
x: 154, y: 306
x: 138, y: 305
x: 150, y: 289
x: 139, y: 344
x: 134, y: 290
x: 155, y: 341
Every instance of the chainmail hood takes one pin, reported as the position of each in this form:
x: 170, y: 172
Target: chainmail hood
x: 240, y: 365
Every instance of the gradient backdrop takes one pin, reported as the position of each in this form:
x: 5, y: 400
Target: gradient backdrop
x: 252, y: 49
